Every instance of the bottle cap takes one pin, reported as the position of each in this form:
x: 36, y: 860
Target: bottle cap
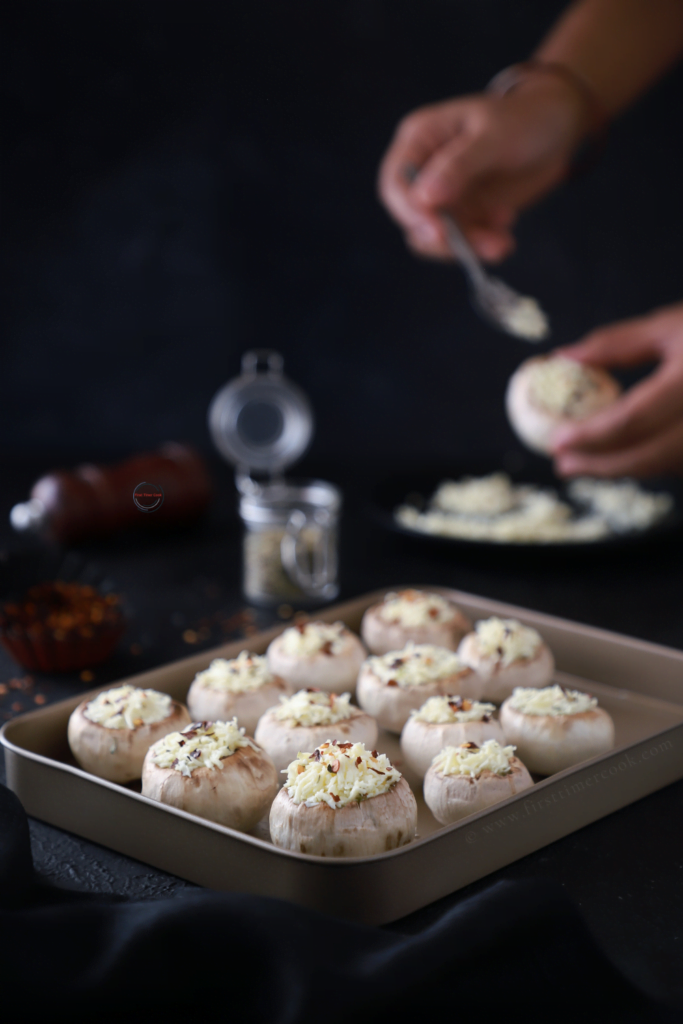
x: 261, y: 421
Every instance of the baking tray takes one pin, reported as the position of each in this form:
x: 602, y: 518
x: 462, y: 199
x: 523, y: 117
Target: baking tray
x: 639, y: 683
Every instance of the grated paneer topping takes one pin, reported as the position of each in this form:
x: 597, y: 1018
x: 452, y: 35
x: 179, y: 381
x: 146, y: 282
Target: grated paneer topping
x: 622, y: 503
x: 565, y: 387
x: 471, y: 760
x: 478, y: 496
x: 200, y: 745
x: 526, y: 319
x: 507, y: 640
x: 338, y: 774
x: 414, y: 608
x: 415, y: 665
x: 128, y: 707
x: 314, y: 707
x: 245, y: 672
x: 309, y: 638
x: 441, y: 710
x: 551, y: 700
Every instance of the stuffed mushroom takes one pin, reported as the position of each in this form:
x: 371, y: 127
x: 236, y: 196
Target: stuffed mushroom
x: 555, y: 728
x: 548, y: 391
x: 446, y: 722
x: 306, y: 719
x: 413, y: 616
x: 242, y: 688
x: 320, y: 654
x: 392, y: 685
x: 465, y: 779
x: 343, y: 800
x: 213, y: 770
x: 506, y: 654
x: 110, y: 735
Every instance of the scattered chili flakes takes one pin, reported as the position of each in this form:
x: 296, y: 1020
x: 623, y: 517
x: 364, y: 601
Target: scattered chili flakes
x: 3, y: 689
x: 375, y: 754
x: 433, y: 613
x: 392, y: 682
x: 190, y: 636
x: 87, y: 676
x: 326, y: 648
x: 40, y: 698
x: 335, y: 797
x: 358, y: 761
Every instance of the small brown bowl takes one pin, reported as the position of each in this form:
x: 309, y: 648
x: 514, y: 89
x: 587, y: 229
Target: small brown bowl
x: 61, y: 627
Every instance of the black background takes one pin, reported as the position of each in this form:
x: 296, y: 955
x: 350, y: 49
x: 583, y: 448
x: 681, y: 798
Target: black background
x: 185, y: 181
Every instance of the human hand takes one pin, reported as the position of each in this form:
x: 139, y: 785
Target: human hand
x: 642, y: 433
x: 483, y: 159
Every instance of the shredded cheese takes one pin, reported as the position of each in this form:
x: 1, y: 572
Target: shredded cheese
x: 415, y: 608
x: 338, y: 774
x: 127, y: 707
x: 565, y: 387
x: 441, y: 710
x: 245, y: 672
x: 506, y: 640
x: 470, y: 760
x: 477, y: 496
x: 415, y: 665
x: 310, y: 638
x: 314, y: 707
x: 526, y: 319
x: 551, y: 700
x: 622, y: 503
x: 200, y: 745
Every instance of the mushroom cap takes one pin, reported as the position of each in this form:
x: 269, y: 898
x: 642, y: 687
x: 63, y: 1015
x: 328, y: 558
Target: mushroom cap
x: 374, y: 825
x: 500, y: 680
x: 534, y: 425
x: 550, y: 743
x: 452, y: 797
x: 209, y: 704
x: 335, y: 673
x: 381, y: 636
x: 391, y: 705
x: 118, y: 754
x: 282, y: 739
x: 422, y: 741
x: 237, y: 795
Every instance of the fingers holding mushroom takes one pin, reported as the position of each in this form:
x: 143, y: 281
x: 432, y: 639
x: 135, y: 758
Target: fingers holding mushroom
x: 555, y: 728
x: 413, y: 616
x: 242, y: 688
x: 110, y: 735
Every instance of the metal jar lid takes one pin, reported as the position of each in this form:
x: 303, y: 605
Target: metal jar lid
x: 261, y: 421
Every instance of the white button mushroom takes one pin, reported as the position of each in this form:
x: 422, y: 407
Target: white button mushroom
x: 342, y: 800
x: 443, y: 722
x: 547, y: 391
x: 555, y: 728
x: 413, y: 616
x: 306, y: 719
x: 213, y: 770
x: 321, y: 654
x: 506, y: 654
x: 241, y: 688
x: 392, y: 685
x: 110, y: 735
x: 465, y: 779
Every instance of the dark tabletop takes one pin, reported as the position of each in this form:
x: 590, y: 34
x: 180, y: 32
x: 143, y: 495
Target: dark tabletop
x: 182, y: 594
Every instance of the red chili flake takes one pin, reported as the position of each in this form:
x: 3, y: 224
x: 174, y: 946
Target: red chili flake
x: 486, y: 718
x: 16, y: 706
x: 333, y: 767
x: 500, y: 651
x: 335, y: 797
x: 301, y: 626
x: 326, y: 648
x: 375, y: 754
x: 15, y: 684
x: 3, y: 689
x: 312, y: 689
x: 392, y: 682
x: 40, y: 698
x: 471, y: 746
x: 433, y: 613
x: 196, y: 753
x: 375, y: 770
x: 358, y: 761
x: 344, y: 746
x: 396, y: 663
x: 316, y: 755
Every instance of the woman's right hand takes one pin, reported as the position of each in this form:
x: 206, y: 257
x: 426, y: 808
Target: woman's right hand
x: 482, y: 158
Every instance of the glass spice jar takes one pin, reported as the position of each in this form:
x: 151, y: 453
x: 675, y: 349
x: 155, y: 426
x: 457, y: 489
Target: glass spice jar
x: 290, y: 541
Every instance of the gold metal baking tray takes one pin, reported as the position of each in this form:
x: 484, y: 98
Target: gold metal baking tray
x: 640, y: 684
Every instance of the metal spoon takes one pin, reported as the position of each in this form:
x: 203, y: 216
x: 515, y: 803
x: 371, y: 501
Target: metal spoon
x: 501, y: 305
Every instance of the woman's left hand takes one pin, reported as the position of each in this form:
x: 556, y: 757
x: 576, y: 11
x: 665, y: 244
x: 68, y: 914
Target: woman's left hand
x: 642, y: 433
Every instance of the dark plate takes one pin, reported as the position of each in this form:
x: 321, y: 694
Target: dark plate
x: 409, y: 488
